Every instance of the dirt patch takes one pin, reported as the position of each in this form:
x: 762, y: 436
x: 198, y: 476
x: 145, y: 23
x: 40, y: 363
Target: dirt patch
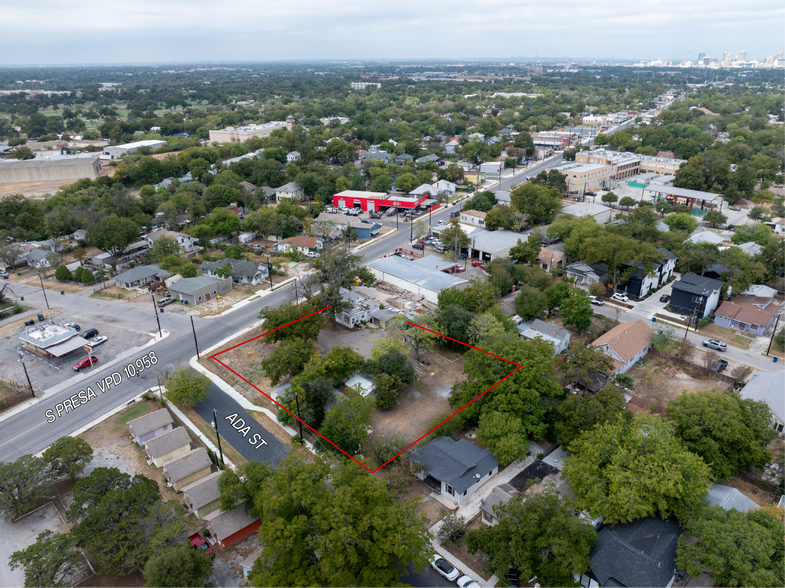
x: 111, y: 293
x: 664, y: 381
x: 33, y: 189
x: 424, y: 400
x: 757, y: 495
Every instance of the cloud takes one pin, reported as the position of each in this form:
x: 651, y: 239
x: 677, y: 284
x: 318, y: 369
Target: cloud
x: 198, y: 30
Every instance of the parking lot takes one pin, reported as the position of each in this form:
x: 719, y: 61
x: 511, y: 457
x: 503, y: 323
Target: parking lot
x: 47, y: 373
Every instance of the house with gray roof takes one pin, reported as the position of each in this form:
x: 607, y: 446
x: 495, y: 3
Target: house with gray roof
x: 752, y: 249
x: 150, y: 425
x: 767, y: 387
x: 290, y: 191
x: 693, y: 291
x: 639, y: 553
x: 729, y: 498
x: 558, y: 338
x: 430, y: 158
x: 228, y: 527
x: 168, y: 446
x: 37, y: 258
x: 455, y: 469
x: 489, y: 245
x: 188, y: 468
x: 199, y: 290
x: 502, y: 494
x: 139, y: 276
x: 585, y: 274
x: 243, y: 272
x: 203, y: 497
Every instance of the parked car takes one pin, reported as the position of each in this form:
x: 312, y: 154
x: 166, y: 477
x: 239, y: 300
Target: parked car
x: 73, y: 326
x: 95, y: 342
x: 620, y: 297
x: 200, y: 544
x: 596, y: 301
x: 90, y: 333
x: 478, y: 264
x: 665, y: 297
x: 441, y: 222
x: 164, y: 301
x: 467, y: 582
x: 719, y: 366
x: 715, y: 344
x: 445, y: 568
x: 438, y: 248
x: 85, y: 362
x: 455, y: 213
x: 418, y: 246
x: 29, y: 323
x: 736, y: 208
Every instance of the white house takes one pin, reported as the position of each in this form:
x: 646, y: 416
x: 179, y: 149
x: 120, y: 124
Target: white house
x: 558, y: 338
x: 361, y: 310
x: 767, y: 387
x: 309, y: 246
x: 473, y: 217
x: 293, y: 156
x: 37, y: 258
x: 186, y: 242
x: 626, y: 344
x: 290, y: 191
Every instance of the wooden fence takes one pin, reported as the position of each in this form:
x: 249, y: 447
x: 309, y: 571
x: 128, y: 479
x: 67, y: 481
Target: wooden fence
x: 692, y: 366
x: 12, y: 393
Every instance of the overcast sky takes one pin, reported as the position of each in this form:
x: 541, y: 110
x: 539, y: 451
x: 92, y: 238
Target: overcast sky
x: 93, y: 31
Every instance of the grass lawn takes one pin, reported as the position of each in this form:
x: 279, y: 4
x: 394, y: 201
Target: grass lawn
x: 135, y: 412
x: 730, y: 336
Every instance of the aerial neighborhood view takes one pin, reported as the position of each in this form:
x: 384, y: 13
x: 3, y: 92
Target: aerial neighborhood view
x: 316, y: 301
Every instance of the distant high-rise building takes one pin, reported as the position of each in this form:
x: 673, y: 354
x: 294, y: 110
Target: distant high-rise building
x: 742, y: 56
x: 700, y: 57
x: 728, y: 59
x: 706, y: 60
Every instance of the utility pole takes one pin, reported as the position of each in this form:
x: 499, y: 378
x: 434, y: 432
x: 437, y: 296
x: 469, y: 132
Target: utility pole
x: 296, y: 295
x: 196, y: 343
x: 773, y: 332
x: 217, y: 434
x: 42, y: 288
x: 22, y: 361
x: 270, y: 272
x: 299, y: 422
x: 155, y: 306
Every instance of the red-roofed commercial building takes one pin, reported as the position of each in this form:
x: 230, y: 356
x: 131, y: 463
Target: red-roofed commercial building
x: 375, y: 201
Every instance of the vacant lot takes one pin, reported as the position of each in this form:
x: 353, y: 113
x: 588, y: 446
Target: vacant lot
x: 663, y: 381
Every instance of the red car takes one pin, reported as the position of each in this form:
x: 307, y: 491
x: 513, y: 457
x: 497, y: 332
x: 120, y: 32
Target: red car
x: 83, y: 363
x: 199, y: 543
x: 478, y: 264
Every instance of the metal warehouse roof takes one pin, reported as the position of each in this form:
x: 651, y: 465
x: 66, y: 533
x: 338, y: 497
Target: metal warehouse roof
x: 493, y: 241
x: 416, y: 273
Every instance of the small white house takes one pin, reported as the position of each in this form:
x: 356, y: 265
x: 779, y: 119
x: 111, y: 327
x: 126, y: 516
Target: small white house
x: 246, y: 237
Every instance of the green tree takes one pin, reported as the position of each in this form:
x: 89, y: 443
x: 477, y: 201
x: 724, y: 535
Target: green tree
x: 499, y: 218
x: 186, y: 386
x: 406, y: 182
x: 714, y: 218
x: 68, y: 457
x: 576, y: 310
x: 288, y: 359
x: 582, y: 361
x: 454, y: 321
x: 485, y: 325
x: 729, y: 432
x: 178, y: 565
x: 554, y: 548
x: 481, y: 295
x: 335, y: 268
x: 523, y: 140
x: 681, y: 221
x: 621, y: 255
x: 530, y: 303
x: 609, y: 198
x: 23, y: 482
x: 63, y: 274
x: 163, y: 247
x: 87, y: 277
x: 340, y: 363
x: 241, y: 486
x: 334, y: 524
x: 88, y: 491
x: 504, y: 434
x: 526, y: 252
x: 393, y: 362
x: 348, y: 421
x: 578, y: 414
x: 740, y: 271
x: 50, y: 561
x: 417, y: 338
x: 188, y: 270
x: 279, y: 321
x: 627, y: 202
x: 741, y: 549
x: 663, y: 207
x: 387, y: 389
x: 539, y: 203
x: 624, y: 471
x: 113, y: 234
x: 22, y: 153
x: 453, y: 237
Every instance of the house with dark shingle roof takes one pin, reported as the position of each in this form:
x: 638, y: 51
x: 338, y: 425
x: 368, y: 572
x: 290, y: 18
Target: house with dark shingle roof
x: 456, y: 469
x: 140, y: 275
x: 502, y: 494
x: 626, y: 344
x: 694, y: 291
x: 243, y: 272
x: 200, y: 289
x: 639, y: 553
x: 585, y: 274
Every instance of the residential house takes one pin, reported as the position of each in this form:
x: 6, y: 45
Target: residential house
x: 729, y: 498
x: 502, y: 494
x: 248, y: 187
x: 751, y: 248
x: 767, y: 387
x: 549, y: 258
x: 139, y: 276
x: 102, y: 259
x: 382, y: 156
x: 444, y: 187
x: 203, y: 497
x: 150, y: 425
x: 200, y: 289
x: 559, y: 338
x: 186, y: 469
x: 186, y: 242
x: 37, y: 258
x: 451, y: 145
x: 228, y: 527
x: 585, y: 274
x: 601, y: 214
x: 243, y: 272
x: 455, y: 469
x: 360, y: 311
x: 706, y: 237
x: 293, y: 156
x: 640, y: 283
x: 639, y: 553
x: 430, y: 158
x: 694, y: 294
x: 473, y: 217
x: 745, y: 314
x: 362, y: 382
x: 626, y: 344
x: 290, y: 191
x: 310, y: 246
x: 364, y: 230
x: 168, y: 446
x: 503, y: 197
x: 403, y: 158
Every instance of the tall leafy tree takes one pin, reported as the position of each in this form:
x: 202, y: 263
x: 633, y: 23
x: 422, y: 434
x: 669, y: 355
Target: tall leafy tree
x: 576, y: 310
x: 23, y: 483
x: 87, y: 492
x: 113, y: 234
x: 279, y: 321
x: 334, y: 524
x: 538, y: 202
x: 187, y: 386
x: 68, y: 457
x: 621, y: 255
x: 729, y: 432
x: 526, y: 251
x: 553, y: 548
x: 578, y: 414
x: 288, y: 359
x: 629, y: 470
x: 50, y: 561
x: 178, y: 565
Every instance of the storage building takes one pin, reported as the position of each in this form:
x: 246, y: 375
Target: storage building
x: 41, y: 170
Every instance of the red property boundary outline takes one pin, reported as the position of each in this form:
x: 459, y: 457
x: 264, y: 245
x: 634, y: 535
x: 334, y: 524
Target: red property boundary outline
x: 215, y: 358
